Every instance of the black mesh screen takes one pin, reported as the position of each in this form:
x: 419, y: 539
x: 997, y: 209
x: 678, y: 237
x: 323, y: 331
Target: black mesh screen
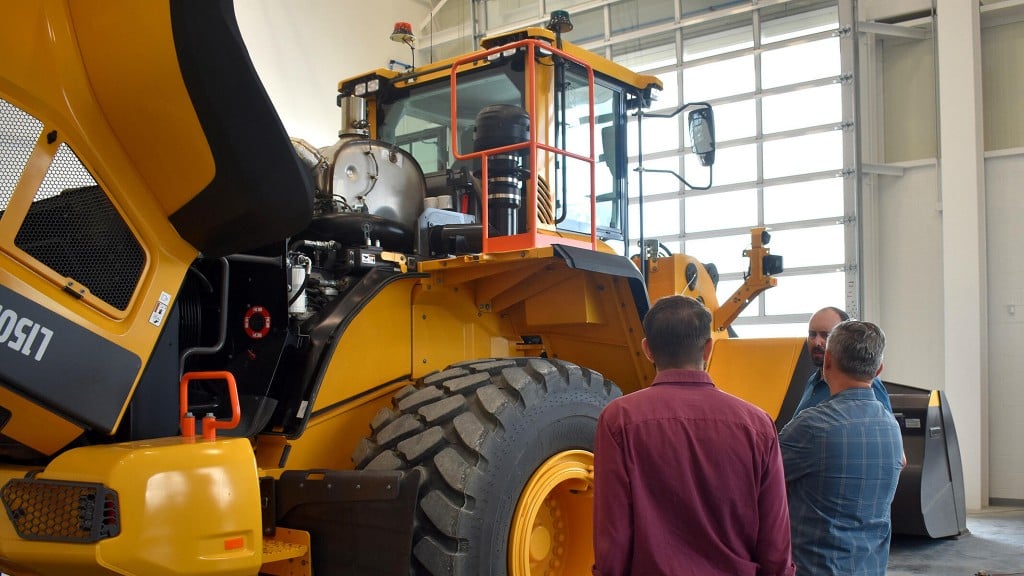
x: 73, y: 228
x: 56, y: 511
x: 19, y: 132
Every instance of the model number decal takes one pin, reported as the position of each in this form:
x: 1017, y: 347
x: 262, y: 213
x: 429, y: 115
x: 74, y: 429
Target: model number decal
x: 21, y: 334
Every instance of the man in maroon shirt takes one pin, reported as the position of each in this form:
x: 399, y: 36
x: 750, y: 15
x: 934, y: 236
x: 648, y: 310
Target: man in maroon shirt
x: 688, y: 479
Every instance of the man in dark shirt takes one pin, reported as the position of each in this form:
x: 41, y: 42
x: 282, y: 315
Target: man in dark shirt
x: 816, y: 391
x: 843, y: 459
x: 688, y: 479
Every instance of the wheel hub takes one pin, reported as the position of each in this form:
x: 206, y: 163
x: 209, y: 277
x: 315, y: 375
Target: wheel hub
x: 553, y: 522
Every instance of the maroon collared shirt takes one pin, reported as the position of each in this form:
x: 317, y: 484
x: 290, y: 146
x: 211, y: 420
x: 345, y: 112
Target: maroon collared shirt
x: 688, y: 481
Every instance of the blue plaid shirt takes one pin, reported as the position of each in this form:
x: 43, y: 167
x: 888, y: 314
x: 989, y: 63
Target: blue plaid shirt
x: 816, y: 391
x: 842, y: 460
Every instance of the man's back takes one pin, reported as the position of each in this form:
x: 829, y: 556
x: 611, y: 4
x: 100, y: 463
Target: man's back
x: 842, y: 461
x: 816, y: 391
x: 702, y: 471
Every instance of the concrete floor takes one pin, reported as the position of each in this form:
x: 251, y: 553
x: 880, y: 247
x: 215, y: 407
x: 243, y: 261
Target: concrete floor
x: 994, y: 547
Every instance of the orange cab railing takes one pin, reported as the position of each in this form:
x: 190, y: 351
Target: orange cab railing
x: 532, y: 237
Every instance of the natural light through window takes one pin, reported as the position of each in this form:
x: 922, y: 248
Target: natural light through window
x: 773, y: 75
x: 779, y: 158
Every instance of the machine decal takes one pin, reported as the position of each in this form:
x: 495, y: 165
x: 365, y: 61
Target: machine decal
x: 104, y: 372
x: 160, y: 310
x: 20, y: 333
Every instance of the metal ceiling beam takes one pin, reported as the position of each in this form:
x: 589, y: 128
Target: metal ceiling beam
x: 894, y: 30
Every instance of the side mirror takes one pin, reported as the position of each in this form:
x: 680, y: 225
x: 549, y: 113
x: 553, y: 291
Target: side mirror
x: 702, y: 134
x: 701, y: 124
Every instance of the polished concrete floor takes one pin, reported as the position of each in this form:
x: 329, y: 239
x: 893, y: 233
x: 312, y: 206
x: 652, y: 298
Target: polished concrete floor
x: 993, y: 547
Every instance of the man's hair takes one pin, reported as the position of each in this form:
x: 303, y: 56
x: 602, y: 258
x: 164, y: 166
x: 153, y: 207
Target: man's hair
x: 856, y: 347
x: 843, y: 316
x: 677, y: 328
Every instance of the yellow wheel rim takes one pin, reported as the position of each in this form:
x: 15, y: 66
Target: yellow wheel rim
x: 552, y: 527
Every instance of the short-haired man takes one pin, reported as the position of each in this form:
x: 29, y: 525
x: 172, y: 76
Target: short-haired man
x: 843, y: 460
x: 687, y: 479
x: 816, y: 391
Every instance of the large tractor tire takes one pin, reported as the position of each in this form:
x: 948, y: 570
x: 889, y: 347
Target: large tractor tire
x: 505, y: 449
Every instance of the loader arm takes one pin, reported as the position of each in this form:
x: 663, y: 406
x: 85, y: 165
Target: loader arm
x: 758, y: 279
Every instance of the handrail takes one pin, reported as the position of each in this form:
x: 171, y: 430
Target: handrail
x: 210, y: 423
x: 530, y: 238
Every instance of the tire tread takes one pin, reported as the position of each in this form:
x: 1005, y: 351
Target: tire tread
x: 449, y: 426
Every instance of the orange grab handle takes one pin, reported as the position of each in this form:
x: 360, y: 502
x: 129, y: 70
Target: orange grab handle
x: 210, y: 425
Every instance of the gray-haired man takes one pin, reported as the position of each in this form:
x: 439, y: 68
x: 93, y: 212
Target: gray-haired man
x: 842, y: 460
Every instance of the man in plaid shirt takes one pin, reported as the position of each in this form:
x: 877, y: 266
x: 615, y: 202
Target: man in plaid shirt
x: 842, y: 460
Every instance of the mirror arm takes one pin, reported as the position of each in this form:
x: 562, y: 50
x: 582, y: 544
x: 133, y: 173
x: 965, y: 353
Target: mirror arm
x: 674, y: 113
x: 678, y: 177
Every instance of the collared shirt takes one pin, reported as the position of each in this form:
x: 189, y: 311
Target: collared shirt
x: 688, y: 481
x: 842, y: 461
x: 816, y: 391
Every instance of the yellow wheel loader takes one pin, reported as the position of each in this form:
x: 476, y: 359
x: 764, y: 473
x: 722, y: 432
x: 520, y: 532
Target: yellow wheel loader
x: 226, y: 352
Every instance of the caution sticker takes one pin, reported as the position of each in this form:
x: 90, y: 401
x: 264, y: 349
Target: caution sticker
x: 160, y: 310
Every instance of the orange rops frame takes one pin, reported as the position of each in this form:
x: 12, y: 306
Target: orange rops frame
x: 531, y: 238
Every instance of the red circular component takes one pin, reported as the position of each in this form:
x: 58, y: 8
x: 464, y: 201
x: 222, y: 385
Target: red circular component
x: 257, y: 322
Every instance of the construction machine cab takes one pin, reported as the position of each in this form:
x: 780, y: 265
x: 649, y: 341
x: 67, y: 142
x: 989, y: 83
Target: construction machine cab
x: 527, y: 138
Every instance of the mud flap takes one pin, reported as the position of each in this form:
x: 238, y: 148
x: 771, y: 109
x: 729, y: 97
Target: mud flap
x: 929, y: 500
x: 360, y: 522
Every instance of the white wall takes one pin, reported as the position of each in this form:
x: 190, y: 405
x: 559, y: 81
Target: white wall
x: 1005, y: 212
x: 910, y: 269
x: 303, y: 48
x: 911, y: 305
x: 909, y: 233
x: 1003, y: 66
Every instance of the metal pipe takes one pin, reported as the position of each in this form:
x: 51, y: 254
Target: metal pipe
x: 223, y: 329
x: 250, y: 259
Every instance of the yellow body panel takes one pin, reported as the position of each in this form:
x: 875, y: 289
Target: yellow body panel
x: 370, y: 363
x: 467, y: 308
x: 373, y: 349
x: 124, y: 39
x: 448, y: 327
x: 757, y: 370
x: 153, y: 481
x: 612, y: 346
x: 598, y: 63
x: 35, y: 427
x: 331, y: 436
x: 579, y: 302
x: 584, y: 317
x: 667, y: 277
x: 48, y: 74
x: 107, y: 75
x: 442, y: 68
